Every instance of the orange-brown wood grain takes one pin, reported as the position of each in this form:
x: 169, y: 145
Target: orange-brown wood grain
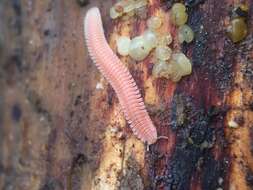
x: 61, y: 126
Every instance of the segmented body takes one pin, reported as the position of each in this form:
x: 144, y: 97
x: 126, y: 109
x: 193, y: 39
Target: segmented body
x: 119, y: 77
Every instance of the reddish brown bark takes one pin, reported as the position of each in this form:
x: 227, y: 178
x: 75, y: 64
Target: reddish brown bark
x: 54, y: 123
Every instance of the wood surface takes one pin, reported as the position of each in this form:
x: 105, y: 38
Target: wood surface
x: 61, y: 126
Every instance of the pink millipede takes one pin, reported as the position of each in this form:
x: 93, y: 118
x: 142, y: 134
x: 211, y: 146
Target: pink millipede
x: 119, y: 77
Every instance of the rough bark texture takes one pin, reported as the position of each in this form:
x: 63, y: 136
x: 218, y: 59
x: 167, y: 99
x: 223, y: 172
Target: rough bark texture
x: 58, y: 131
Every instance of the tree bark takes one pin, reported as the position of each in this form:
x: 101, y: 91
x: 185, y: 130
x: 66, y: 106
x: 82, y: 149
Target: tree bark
x: 61, y: 126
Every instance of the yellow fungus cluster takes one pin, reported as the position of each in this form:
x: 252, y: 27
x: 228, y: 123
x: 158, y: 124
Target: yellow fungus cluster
x: 137, y: 48
x: 167, y: 64
x: 124, y: 7
x: 178, y: 67
x: 178, y: 14
x: 238, y: 29
x: 154, y: 22
x: 185, y: 34
x: 171, y: 65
